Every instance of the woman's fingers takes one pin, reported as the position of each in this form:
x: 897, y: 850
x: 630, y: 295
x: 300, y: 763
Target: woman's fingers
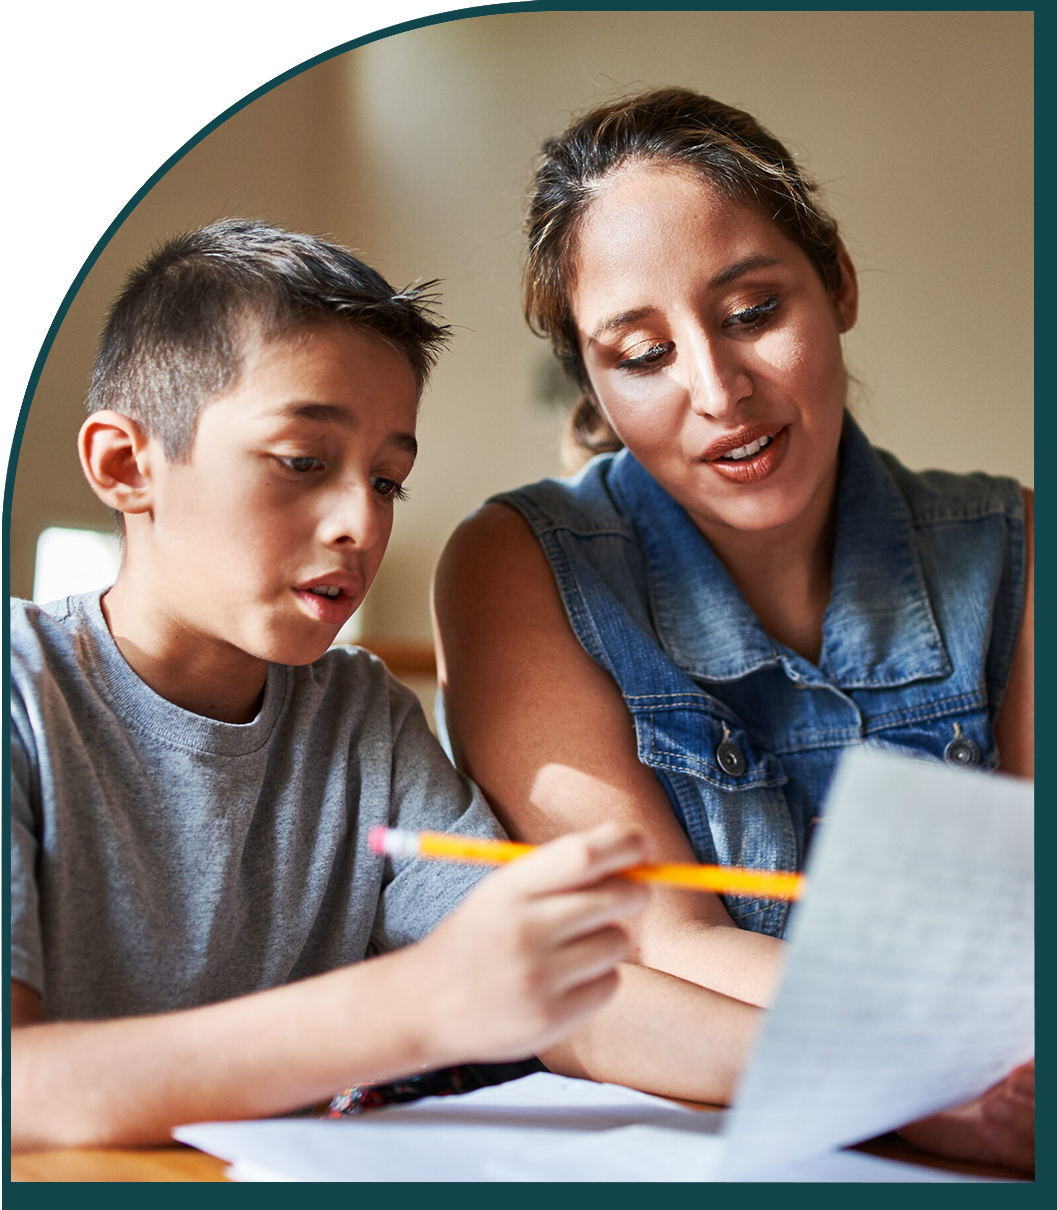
x: 997, y: 1127
x: 1022, y: 1080
x: 1008, y: 1118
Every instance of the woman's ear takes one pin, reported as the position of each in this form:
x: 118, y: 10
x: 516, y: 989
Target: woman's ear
x: 846, y: 295
x: 116, y: 457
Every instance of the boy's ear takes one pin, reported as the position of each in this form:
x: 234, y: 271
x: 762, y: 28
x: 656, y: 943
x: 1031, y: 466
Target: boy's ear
x: 846, y: 295
x: 116, y: 457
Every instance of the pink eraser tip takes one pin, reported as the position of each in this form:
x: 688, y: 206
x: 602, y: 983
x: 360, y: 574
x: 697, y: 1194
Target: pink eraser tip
x: 376, y: 840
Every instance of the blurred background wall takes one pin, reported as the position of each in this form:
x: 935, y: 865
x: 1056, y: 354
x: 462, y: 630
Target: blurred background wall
x: 416, y: 152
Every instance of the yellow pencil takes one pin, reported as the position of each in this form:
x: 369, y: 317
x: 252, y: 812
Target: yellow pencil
x: 725, y: 880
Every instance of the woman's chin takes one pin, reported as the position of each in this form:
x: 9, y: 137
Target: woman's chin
x: 758, y: 517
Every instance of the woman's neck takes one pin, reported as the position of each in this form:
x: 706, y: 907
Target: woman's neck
x: 785, y: 574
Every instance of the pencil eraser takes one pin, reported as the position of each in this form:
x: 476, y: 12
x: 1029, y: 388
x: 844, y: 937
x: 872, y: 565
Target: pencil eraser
x: 376, y: 840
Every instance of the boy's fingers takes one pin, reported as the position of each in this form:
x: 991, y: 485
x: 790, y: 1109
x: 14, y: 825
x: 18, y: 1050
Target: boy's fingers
x: 580, y: 1002
x: 563, y: 917
x: 577, y: 860
x: 587, y: 959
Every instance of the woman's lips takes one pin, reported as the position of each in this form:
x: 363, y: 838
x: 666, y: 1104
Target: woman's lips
x: 755, y: 467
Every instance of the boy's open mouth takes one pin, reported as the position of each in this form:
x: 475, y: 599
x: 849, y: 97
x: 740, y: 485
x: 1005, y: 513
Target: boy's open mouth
x: 330, y: 599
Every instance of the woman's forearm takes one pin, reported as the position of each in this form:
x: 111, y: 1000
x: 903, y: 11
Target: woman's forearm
x: 663, y: 1035
x: 691, y: 936
x: 729, y: 960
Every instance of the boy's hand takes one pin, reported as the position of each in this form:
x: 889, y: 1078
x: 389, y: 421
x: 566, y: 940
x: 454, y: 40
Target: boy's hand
x: 533, y: 950
x: 997, y: 1127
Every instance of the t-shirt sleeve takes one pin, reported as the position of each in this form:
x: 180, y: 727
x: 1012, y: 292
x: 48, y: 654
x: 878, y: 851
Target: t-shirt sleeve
x: 26, y: 952
x: 428, y: 793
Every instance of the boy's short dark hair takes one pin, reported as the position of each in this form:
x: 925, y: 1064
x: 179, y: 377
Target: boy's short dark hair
x: 176, y: 336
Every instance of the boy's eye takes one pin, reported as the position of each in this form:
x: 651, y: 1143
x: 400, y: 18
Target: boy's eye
x: 750, y: 318
x: 653, y: 354
x: 389, y: 489
x: 300, y: 465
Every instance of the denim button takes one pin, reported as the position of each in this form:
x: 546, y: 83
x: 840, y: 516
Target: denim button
x: 961, y: 751
x: 730, y: 759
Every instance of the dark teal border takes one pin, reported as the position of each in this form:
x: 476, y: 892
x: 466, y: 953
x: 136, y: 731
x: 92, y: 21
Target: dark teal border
x: 513, y: 1197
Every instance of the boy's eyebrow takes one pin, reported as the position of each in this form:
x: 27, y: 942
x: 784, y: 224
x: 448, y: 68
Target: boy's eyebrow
x: 329, y: 413
x: 325, y: 413
x: 405, y: 442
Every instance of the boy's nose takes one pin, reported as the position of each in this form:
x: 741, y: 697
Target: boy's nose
x: 353, y: 517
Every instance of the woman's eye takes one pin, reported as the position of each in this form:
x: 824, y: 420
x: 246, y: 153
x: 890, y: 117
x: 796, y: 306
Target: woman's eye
x: 752, y: 317
x: 300, y: 465
x: 389, y: 489
x: 653, y: 354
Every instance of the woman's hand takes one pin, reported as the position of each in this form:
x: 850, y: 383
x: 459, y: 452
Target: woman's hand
x: 533, y: 950
x: 997, y: 1127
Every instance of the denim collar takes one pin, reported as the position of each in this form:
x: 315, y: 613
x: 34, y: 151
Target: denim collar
x: 878, y: 629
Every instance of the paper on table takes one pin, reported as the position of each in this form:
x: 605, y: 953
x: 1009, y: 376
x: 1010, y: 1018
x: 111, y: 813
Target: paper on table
x: 909, y: 981
x: 440, y: 1138
x: 653, y: 1153
x: 516, y: 1132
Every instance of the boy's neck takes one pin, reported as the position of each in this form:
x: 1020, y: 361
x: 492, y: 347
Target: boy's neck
x: 210, y: 678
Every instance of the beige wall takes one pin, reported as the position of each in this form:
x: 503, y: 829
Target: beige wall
x: 415, y: 150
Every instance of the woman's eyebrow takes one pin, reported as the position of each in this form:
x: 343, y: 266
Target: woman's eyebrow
x: 620, y: 321
x: 732, y: 272
x: 723, y: 278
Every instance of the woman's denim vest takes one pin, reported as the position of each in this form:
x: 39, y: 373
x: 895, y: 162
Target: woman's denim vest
x: 744, y: 734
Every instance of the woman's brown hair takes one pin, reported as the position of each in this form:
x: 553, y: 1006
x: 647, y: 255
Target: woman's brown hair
x: 676, y: 126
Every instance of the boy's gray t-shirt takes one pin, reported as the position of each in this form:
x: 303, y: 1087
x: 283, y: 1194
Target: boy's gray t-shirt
x: 161, y: 860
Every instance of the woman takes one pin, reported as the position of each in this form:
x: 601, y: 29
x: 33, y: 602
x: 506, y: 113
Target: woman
x: 685, y: 635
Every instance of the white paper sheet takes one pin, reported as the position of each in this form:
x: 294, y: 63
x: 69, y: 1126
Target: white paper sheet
x: 908, y: 986
x: 653, y: 1153
x: 909, y: 983
x: 542, y: 1128
x: 440, y: 1138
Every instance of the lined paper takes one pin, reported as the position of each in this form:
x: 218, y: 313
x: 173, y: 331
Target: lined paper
x: 910, y: 976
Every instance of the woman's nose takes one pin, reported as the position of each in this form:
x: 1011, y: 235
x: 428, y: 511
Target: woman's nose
x: 718, y: 378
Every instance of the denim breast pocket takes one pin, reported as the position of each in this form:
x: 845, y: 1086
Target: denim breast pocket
x: 727, y: 793
x: 680, y: 733
x: 956, y: 731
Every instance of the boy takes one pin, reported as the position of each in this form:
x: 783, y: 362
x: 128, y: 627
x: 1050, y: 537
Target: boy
x: 194, y: 778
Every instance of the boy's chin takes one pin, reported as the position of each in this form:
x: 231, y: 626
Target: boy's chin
x: 294, y: 650
x: 298, y: 654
